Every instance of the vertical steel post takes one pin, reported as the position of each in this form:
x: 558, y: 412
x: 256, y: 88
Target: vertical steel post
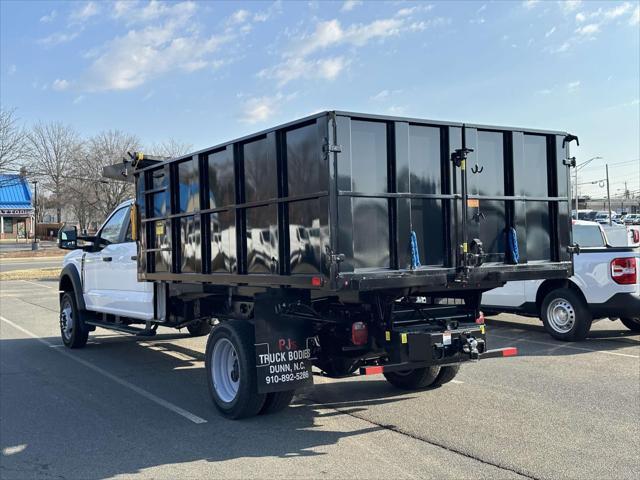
x: 608, y: 194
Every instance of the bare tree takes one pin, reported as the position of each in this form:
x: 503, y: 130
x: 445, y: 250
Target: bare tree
x: 105, y: 148
x: 12, y: 140
x: 52, y: 150
x: 170, y: 148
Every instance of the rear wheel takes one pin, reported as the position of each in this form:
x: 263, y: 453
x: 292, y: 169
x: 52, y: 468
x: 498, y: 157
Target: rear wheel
x: 413, y: 379
x: 446, y: 374
x: 73, y: 331
x: 199, y: 328
x: 565, y: 315
x: 231, y: 370
x: 632, y: 324
x: 276, y: 401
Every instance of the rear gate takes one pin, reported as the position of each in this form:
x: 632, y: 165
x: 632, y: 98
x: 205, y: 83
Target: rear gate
x: 397, y: 178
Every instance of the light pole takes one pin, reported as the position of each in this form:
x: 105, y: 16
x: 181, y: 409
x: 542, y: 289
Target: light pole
x: 578, y: 167
x: 34, y: 245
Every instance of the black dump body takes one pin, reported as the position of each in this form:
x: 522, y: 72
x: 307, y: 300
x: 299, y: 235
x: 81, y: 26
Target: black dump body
x: 351, y: 202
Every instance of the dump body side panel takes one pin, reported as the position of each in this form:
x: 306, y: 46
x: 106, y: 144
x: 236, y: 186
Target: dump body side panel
x: 352, y: 201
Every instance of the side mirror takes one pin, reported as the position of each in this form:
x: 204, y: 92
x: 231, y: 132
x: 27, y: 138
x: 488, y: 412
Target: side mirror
x: 68, y: 238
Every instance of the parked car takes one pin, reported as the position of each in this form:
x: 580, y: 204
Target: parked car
x: 605, y: 284
x: 632, y: 219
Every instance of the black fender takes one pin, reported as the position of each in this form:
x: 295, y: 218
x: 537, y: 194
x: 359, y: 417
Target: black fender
x: 69, y: 274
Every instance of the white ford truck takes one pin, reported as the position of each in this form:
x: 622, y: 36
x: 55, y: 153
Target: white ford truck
x: 605, y: 284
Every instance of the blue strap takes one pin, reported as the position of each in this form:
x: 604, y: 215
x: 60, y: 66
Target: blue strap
x: 415, y: 254
x: 513, y: 245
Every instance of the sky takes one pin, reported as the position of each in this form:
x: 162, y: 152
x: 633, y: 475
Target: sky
x: 207, y: 72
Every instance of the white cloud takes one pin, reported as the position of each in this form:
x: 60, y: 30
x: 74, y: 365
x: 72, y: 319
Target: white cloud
x: 350, y: 5
x: 78, y: 99
x: 397, y: 110
x: 166, y: 44
x: 296, y: 67
x: 303, y: 60
x: 550, y: 32
x: 573, y: 86
x: 131, y: 13
x: 580, y: 17
x: 529, y: 4
x: 59, y: 84
x: 562, y: 48
x: 385, y: 95
x: 635, y: 17
x: 88, y: 10
x: 57, y: 39
x: 588, y: 30
x: 482, y: 8
x: 569, y: 6
x: 544, y: 91
x: 49, y: 17
x: 239, y: 16
x: 260, y: 109
x: 617, y: 11
x: 409, y: 11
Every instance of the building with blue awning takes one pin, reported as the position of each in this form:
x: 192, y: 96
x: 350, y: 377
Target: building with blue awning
x: 16, y: 208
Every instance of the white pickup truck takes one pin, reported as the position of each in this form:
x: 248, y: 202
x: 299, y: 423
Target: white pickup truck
x: 605, y: 284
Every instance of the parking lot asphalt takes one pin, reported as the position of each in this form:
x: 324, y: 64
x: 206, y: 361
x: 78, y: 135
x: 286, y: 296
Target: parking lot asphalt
x: 126, y: 407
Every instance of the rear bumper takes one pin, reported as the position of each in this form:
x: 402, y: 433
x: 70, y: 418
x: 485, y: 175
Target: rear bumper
x: 377, y: 369
x: 620, y: 305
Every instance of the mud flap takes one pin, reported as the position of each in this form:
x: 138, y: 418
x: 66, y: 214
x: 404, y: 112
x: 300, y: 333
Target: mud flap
x: 283, y: 345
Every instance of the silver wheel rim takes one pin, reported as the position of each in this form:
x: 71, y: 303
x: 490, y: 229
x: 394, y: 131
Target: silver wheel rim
x: 225, y: 370
x: 561, y: 315
x: 66, y: 321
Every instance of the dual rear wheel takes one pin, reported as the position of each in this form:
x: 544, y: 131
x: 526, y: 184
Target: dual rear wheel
x: 231, y: 373
x: 422, y: 377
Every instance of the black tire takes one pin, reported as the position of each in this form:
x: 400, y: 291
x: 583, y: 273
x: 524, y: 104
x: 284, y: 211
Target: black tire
x: 564, y: 301
x: 413, y: 379
x: 276, y: 401
x: 632, y: 324
x: 446, y: 374
x: 76, y: 334
x: 199, y: 328
x: 247, y: 402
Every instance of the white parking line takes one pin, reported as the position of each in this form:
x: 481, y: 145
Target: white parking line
x: 150, y: 396
x: 571, y: 347
x: 36, y: 284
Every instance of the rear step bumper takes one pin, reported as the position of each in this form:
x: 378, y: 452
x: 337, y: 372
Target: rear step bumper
x: 378, y: 369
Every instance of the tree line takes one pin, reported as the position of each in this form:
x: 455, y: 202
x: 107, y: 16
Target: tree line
x: 68, y: 167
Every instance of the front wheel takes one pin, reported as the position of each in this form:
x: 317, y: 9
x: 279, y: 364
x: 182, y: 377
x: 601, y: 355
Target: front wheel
x: 231, y: 370
x: 565, y: 315
x: 73, y: 331
x: 413, y: 379
x: 632, y: 324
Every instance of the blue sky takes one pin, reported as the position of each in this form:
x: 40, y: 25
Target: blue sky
x: 206, y: 72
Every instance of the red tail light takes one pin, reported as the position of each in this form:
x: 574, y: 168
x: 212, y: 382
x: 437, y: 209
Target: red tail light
x: 624, y: 270
x: 359, y: 333
x: 636, y: 236
x: 480, y: 318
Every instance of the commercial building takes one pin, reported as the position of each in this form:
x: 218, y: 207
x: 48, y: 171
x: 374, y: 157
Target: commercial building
x: 16, y: 209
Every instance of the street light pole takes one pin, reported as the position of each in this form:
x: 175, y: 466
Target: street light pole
x: 583, y: 164
x: 34, y: 245
x: 608, y: 194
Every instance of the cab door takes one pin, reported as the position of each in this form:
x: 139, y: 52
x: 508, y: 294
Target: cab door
x: 110, y: 273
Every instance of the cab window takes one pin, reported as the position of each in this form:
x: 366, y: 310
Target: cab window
x: 112, y: 230
x: 588, y: 236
